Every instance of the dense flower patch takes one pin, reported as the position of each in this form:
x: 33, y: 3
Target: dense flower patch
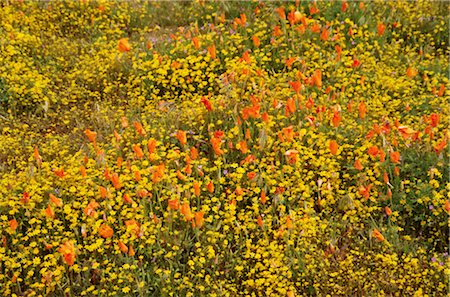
x: 224, y: 149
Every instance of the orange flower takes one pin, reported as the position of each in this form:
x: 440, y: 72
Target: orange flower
x: 196, y: 42
x: 358, y: 165
x: 434, y: 119
x: 90, y: 208
x: 212, y: 51
x: 411, y: 72
x: 289, y: 224
x: 181, y: 136
x: 25, y: 198
x: 388, y: 211
x: 133, y: 225
x: 196, y: 188
x: 377, y: 235
x: 56, y: 201
x: 325, y: 34
x: 199, y: 219
x: 138, y: 151
x: 59, y: 173
x: 336, y: 119
x: 395, y: 157
x: 174, y: 204
x: 260, y: 221
x: 263, y: 197
x: 344, y: 6
x: 296, y: 86
x: 49, y: 212
x: 103, y: 192
x: 123, y: 247
x: 256, y: 41
x: 106, y: 231
x: 447, y: 206
x: 206, y: 103
x: 127, y: 199
x: 83, y: 171
x: 115, y: 181
x: 90, y: 135
x: 139, y: 128
x: 13, y: 224
x: 441, y: 90
x: 380, y: 29
x: 216, y: 144
x: 131, y: 252
x: 334, y: 147
x: 373, y: 151
x: 186, y: 211
x: 151, y: 145
x: 124, y: 46
x: 68, y: 251
x: 362, y: 110
x: 36, y: 156
x: 210, y: 187
x: 440, y: 146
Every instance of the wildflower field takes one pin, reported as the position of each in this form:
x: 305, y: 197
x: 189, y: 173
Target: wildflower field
x: 257, y: 148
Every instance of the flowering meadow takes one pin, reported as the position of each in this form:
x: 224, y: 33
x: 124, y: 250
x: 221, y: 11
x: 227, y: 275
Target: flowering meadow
x: 224, y: 148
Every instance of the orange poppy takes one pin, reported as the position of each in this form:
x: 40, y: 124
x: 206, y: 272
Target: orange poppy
x: 139, y: 128
x: 380, y: 29
x: 151, y: 145
x: 90, y: 208
x: 115, y: 181
x: 106, y: 231
x: 123, y: 45
x: 210, y: 187
x: 395, y: 157
x: 181, y: 136
x: 199, y: 219
x: 56, y: 201
x: 373, y: 151
x: 60, y: 173
x: 344, y: 6
x: 256, y: 41
x: 13, y: 224
x: 123, y: 247
x: 68, y: 251
x: 358, y: 165
x: 377, y: 234
x: 336, y: 119
x: 362, y: 110
x: 90, y: 135
x: 411, y: 72
x: 388, y: 211
x: 260, y: 221
x: 25, y: 198
x: 216, y: 144
x: 196, y: 188
x: 263, y: 197
x: 325, y: 35
x: 186, y: 211
x: 127, y: 199
x: 49, y: 212
x: 138, y: 151
x: 212, y: 51
x: 196, y: 42
x: 334, y: 147
x: 289, y: 223
x: 174, y: 204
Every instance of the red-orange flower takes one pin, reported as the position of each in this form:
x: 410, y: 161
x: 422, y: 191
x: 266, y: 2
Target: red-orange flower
x: 68, y: 251
x: 334, y: 147
x: 377, y: 234
x: 106, y: 231
x: 123, y: 45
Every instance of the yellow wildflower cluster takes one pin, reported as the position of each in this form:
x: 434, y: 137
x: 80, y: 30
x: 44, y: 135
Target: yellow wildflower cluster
x: 224, y: 149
